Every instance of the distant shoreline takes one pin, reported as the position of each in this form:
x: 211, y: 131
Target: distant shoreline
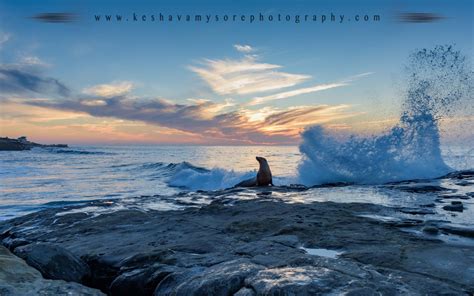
x: 22, y: 143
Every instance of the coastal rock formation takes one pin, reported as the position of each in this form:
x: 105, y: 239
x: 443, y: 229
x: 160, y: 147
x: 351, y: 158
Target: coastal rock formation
x: 7, y: 144
x: 18, y: 278
x: 252, y: 247
x: 54, y: 262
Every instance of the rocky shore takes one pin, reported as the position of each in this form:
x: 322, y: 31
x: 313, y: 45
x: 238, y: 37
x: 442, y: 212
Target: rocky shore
x: 7, y: 144
x: 247, y: 247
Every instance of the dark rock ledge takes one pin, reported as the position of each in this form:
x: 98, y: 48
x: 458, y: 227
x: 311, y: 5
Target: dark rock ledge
x: 249, y: 248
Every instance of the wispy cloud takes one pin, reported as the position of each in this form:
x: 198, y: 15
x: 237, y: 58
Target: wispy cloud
x: 292, y: 93
x: 300, y: 91
x: 245, y: 76
x: 110, y: 90
x: 19, y: 81
x: 33, y: 61
x: 244, y: 48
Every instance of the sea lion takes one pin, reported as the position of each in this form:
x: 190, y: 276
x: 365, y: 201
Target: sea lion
x: 263, y: 178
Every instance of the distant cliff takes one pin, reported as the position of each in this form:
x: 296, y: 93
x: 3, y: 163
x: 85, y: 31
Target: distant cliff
x: 7, y: 144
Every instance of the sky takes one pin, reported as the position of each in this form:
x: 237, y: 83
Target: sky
x: 83, y: 81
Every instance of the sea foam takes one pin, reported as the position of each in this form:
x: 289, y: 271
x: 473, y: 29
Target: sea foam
x: 438, y: 81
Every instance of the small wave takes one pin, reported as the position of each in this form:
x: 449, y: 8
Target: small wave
x: 213, y: 179
x: 186, y: 175
x: 171, y: 168
x: 80, y: 152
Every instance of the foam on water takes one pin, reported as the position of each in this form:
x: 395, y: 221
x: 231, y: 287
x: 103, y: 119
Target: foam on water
x: 438, y: 81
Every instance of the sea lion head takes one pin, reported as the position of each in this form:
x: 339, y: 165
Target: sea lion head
x: 261, y: 159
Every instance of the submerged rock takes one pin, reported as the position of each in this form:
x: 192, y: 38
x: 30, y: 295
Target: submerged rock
x: 18, y: 278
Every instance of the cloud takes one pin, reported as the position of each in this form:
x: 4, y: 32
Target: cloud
x: 292, y: 93
x: 20, y: 80
x: 306, y: 90
x: 245, y: 76
x: 4, y: 37
x: 201, y: 120
x: 204, y: 118
x: 110, y: 90
x: 33, y: 61
x: 244, y: 48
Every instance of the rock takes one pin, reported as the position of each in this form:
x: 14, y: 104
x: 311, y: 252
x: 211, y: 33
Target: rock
x: 12, y: 243
x: 170, y: 284
x: 54, y: 262
x: 141, y: 281
x: 18, y: 278
x: 455, y: 206
x: 430, y: 229
x: 245, y: 292
x: 420, y: 188
x: 222, y: 279
x: 458, y: 230
x: 7, y: 144
x: 417, y: 211
x: 304, y: 280
x: 454, y: 196
x: 228, y: 247
x: 287, y: 240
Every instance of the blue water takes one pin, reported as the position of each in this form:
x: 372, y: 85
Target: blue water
x: 30, y: 179
x: 43, y: 177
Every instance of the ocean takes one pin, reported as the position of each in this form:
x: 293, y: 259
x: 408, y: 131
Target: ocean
x: 173, y: 177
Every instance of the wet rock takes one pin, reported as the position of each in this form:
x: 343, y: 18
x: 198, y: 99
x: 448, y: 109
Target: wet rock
x: 305, y: 280
x: 421, y: 188
x: 141, y: 281
x: 454, y: 196
x: 245, y: 292
x: 458, y: 230
x: 407, y: 223
x: 455, y: 206
x: 417, y: 211
x: 222, y: 279
x: 12, y: 243
x: 430, y: 230
x: 467, y: 174
x: 287, y: 240
x: 170, y: 284
x: 228, y: 247
x: 18, y: 278
x: 54, y: 262
x: 464, y: 183
x: 362, y: 292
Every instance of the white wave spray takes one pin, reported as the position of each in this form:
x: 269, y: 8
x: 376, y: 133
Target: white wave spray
x: 438, y: 81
